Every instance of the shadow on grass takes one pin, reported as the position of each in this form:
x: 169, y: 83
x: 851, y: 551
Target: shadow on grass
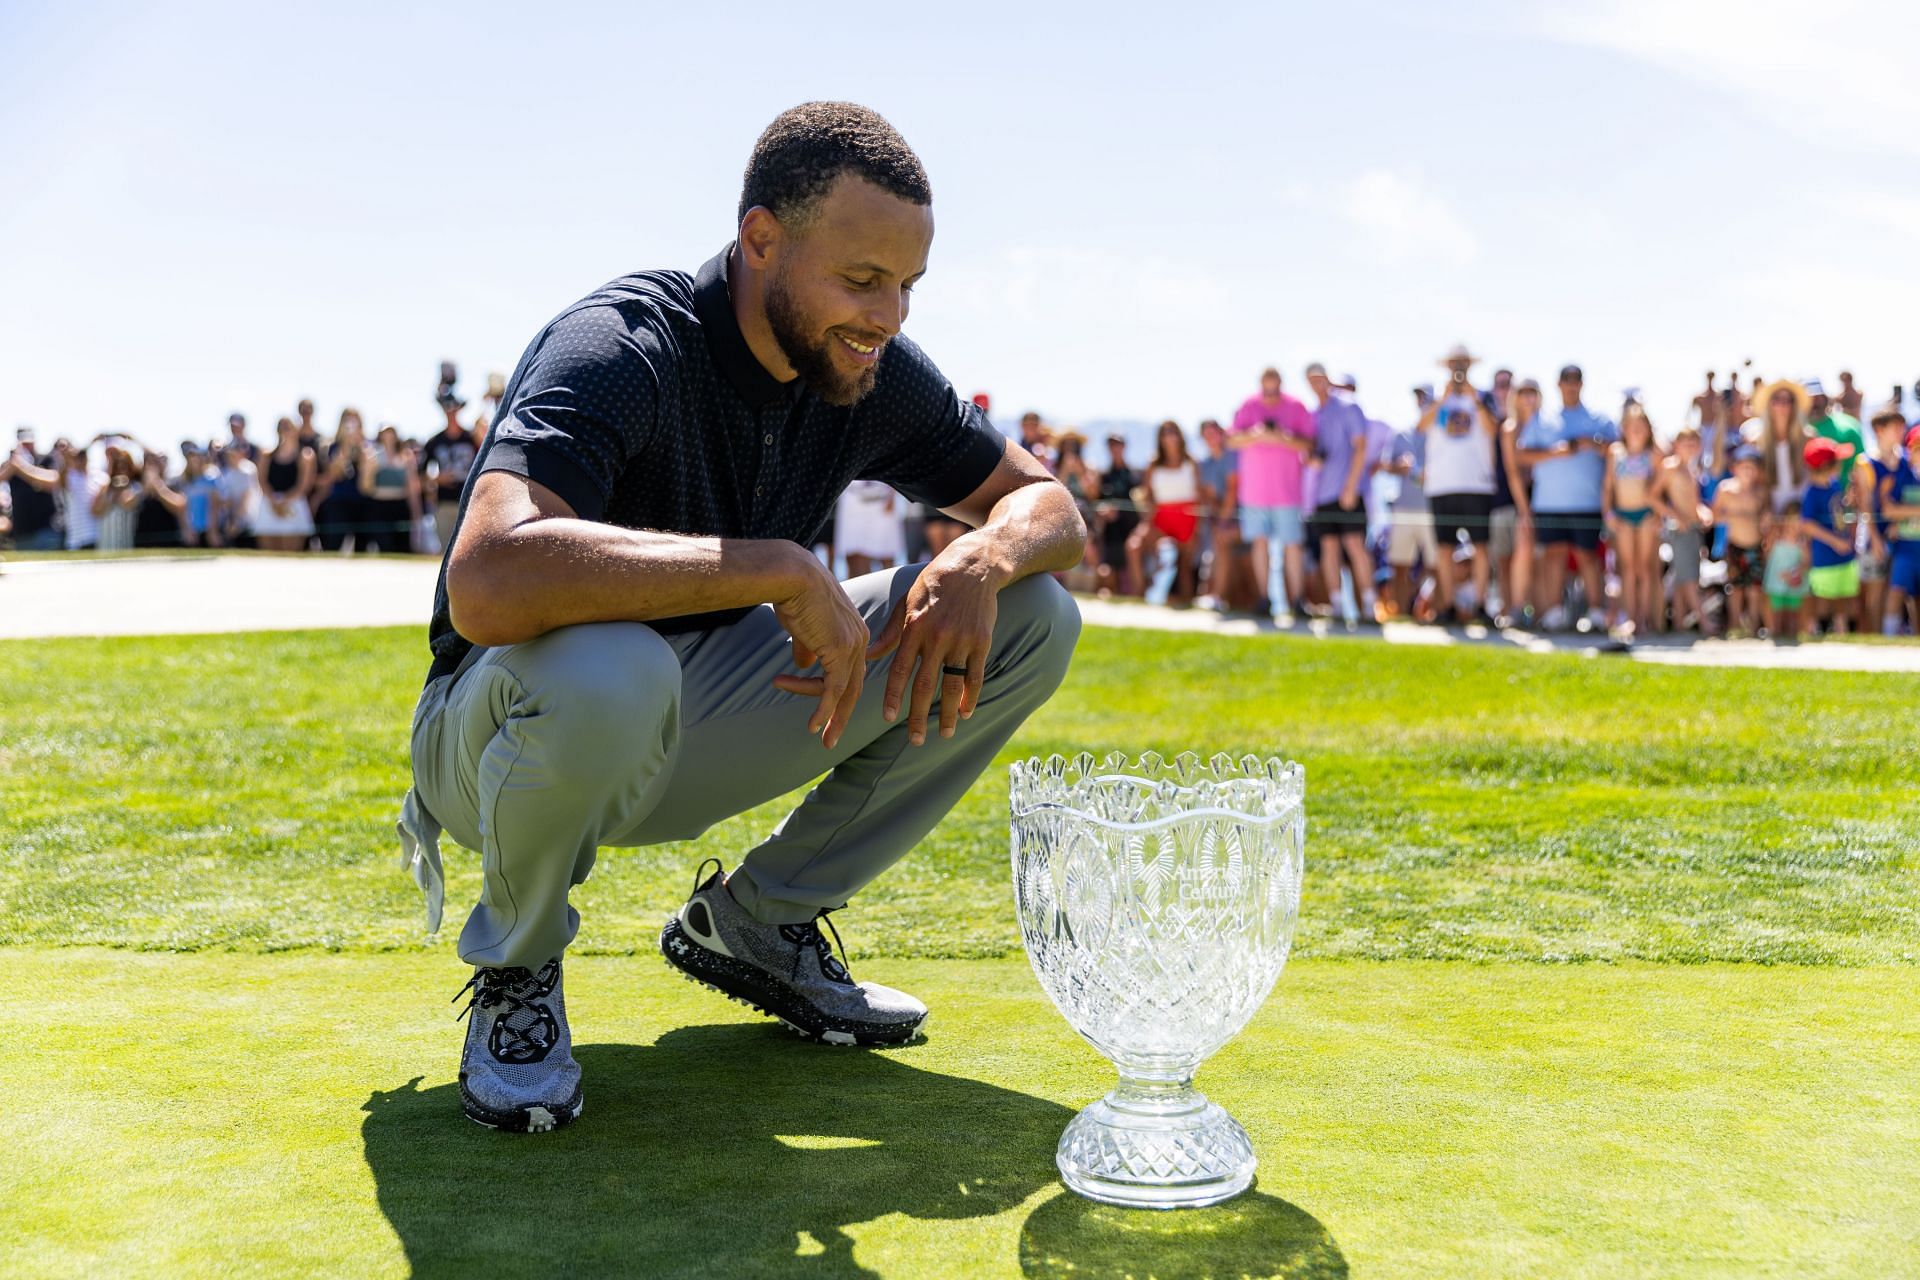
x: 718, y: 1151
x: 1254, y: 1236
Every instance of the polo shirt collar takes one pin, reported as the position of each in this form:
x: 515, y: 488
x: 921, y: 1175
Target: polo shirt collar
x: 714, y: 304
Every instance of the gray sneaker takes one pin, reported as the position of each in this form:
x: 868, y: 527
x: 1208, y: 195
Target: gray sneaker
x: 517, y: 1070
x: 787, y: 971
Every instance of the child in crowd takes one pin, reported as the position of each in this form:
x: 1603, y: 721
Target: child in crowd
x: 1833, y: 573
x: 1634, y: 509
x: 202, y: 516
x: 1899, y: 502
x: 1786, y: 575
x: 1740, y: 503
x: 1889, y: 432
x: 1680, y: 486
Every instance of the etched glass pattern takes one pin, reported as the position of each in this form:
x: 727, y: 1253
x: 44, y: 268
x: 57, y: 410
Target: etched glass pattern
x: 1157, y: 901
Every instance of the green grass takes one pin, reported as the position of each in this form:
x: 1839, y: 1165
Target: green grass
x: 283, y: 1115
x: 189, y: 824
x: 238, y: 792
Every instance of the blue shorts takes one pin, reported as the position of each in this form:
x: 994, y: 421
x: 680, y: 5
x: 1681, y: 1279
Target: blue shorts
x: 1903, y: 569
x: 1282, y: 524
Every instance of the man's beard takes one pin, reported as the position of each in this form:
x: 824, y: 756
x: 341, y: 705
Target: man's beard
x: 811, y: 360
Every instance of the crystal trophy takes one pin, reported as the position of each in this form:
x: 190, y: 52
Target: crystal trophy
x: 1157, y: 902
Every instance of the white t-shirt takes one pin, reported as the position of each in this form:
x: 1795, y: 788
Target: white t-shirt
x: 83, y: 527
x: 1174, y: 484
x: 1459, y: 451
x: 239, y: 486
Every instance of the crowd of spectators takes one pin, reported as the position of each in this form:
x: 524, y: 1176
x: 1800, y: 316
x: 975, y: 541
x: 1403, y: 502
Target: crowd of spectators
x: 1768, y: 511
x: 351, y: 490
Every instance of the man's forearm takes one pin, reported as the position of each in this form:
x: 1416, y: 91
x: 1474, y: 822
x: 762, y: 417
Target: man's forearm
x: 554, y: 573
x: 1034, y: 529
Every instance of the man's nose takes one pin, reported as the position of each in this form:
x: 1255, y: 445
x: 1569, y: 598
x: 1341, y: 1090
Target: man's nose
x: 889, y: 311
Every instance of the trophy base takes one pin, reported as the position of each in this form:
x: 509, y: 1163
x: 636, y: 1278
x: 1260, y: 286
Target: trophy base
x: 1148, y: 1146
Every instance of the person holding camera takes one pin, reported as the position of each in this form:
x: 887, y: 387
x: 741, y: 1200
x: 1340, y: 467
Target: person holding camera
x: 160, y: 518
x: 1463, y: 445
x: 33, y: 480
x: 116, y: 503
x: 1273, y: 435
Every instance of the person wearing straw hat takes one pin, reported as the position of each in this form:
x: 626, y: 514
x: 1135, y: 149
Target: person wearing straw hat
x: 1777, y: 431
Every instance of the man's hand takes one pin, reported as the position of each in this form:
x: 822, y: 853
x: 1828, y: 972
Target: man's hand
x: 825, y: 628
x: 945, y: 619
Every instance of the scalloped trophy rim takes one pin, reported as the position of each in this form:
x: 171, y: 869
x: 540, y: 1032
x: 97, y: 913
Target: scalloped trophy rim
x: 1052, y: 784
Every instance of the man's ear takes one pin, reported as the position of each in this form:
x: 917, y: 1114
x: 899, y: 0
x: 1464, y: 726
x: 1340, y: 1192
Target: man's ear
x: 760, y: 237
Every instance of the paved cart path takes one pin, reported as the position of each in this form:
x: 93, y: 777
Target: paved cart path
x: 173, y: 595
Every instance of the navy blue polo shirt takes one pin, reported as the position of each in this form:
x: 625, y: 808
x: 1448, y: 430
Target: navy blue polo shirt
x: 642, y: 406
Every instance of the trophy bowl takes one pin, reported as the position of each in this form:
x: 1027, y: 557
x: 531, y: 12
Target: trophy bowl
x: 1157, y: 901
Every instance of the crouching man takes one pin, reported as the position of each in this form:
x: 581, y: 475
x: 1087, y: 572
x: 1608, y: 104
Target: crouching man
x: 631, y: 641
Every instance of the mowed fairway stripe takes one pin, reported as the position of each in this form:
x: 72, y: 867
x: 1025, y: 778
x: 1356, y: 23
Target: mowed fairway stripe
x: 224, y: 1113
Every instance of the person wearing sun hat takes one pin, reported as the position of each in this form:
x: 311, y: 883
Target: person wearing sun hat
x: 1777, y: 431
x: 1833, y: 578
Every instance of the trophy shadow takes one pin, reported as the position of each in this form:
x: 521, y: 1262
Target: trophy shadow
x: 1253, y: 1236
x: 733, y: 1150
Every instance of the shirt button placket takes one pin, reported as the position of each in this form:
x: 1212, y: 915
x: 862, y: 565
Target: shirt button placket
x: 766, y: 466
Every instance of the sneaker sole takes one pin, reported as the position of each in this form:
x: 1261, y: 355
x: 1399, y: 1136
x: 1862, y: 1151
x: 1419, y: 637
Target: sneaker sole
x: 521, y: 1119
x: 744, y: 984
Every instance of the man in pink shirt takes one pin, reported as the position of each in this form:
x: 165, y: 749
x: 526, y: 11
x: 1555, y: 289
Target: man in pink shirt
x: 1274, y: 434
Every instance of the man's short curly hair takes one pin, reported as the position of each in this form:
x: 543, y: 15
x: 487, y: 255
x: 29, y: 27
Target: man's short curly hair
x: 808, y: 146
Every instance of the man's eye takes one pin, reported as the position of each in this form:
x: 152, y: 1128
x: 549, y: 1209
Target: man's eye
x: 858, y: 284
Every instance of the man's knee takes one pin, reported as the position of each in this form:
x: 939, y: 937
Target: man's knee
x: 610, y: 689
x: 1039, y: 604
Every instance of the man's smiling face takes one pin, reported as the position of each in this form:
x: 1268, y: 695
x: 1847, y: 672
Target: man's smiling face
x: 840, y: 284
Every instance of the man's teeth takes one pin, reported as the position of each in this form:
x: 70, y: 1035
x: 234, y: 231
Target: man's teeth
x: 863, y: 350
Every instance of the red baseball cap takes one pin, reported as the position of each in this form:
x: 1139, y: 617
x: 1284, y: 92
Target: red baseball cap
x: 1913, y: 438
x: 1821, y: 452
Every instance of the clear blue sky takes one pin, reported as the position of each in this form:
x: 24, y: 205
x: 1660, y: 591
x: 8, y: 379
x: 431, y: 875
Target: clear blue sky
x: 210, y: 206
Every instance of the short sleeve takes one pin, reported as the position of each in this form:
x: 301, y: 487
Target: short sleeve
x: 1304, y: 423
x: 928, y: 443
x: 584, y: 404
x: 1813, y: 505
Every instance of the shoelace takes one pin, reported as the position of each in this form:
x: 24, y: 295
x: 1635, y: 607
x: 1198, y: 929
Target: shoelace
x: 809, y: 935
x: 516, y: 987
x: 804, y: 934
x: 700, y: 873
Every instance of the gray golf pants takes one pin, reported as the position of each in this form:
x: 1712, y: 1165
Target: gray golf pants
x: 610, y: 734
